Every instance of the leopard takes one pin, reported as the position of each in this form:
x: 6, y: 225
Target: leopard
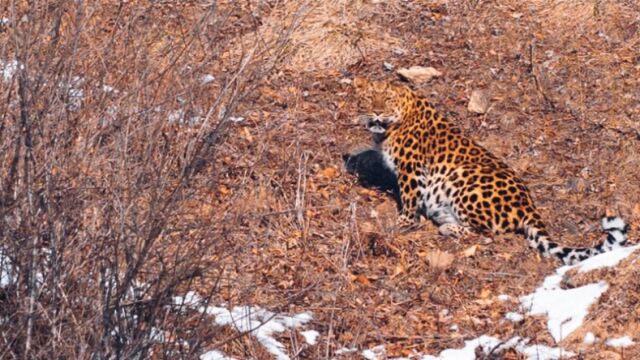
x: 447, y: 177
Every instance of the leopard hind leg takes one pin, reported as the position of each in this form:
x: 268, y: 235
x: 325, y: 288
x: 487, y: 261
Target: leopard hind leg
x: 448, y: 224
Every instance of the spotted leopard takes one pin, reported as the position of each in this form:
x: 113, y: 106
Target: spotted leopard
x: 449, y: 178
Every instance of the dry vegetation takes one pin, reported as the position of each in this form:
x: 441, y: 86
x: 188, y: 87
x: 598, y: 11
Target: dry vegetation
x: 126, y: 179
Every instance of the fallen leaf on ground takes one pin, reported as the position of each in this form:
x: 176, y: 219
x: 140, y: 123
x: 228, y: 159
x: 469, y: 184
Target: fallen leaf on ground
x: 470, y: 251
x: 439, y: 259
x: 329, y: 172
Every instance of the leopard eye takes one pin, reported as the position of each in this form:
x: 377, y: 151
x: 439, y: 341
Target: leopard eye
x: 364, y: 103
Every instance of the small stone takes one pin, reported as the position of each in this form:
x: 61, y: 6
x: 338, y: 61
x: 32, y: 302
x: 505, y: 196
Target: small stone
x: 419, y: 74
x: 479, y: 102
x: 388, y: 66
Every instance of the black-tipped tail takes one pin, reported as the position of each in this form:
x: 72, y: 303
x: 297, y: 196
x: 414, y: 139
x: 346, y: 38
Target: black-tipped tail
x: 616, y: 237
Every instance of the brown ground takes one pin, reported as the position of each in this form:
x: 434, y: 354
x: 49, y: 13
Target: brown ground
x: 563, y: 77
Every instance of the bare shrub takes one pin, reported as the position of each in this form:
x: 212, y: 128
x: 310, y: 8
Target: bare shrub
x: 111, y: 116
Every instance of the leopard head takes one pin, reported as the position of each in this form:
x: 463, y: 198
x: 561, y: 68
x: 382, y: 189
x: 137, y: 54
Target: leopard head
x: 382, y: 103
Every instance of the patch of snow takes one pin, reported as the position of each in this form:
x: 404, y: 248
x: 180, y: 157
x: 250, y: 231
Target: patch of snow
x: 543, y: 352
x: 468, y: 352
x: 236, y: 119
x: 259, y: 323
x: 109, y: 89
x: 9, y: 68
x: 310, y: 336
x: 589, y: 338
x: 453, y: 327
x: 503, y: 297
x: 608, y: 259
x: 490, y: 344
x: 176, y: 116
x: 205, y: 79
x: 7, y: 269
x: 4, y: 21
x: 215, y: 355
x: 190, y: 299
x: 345, y: 350
x: 514, y: 316
x: 620, y: 342
x: 566, y: 309
x: 376, y: 353
x: 179, y: 117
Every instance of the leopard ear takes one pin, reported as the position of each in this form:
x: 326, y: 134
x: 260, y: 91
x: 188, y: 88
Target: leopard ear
x: 360, y: 83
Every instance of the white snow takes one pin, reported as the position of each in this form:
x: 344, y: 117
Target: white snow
x: 468, y: 352
x: 543, y: 352
x: 7, y: 269
x: 8, y: 69
x: 608, y: 259
x: 503, y: 297
x: 620, y: 342
x: 566, y: 309
x: 176, y: 116
x: 376, y: 353
x: 589, y: 338
x: 310, y: 336
x: 205, y: 79
x: 490, y: 344
x: 514, y: 316
x: 345, y: 350
x: 179, y: 117
x: 215, y: 355
x: 259, y: 323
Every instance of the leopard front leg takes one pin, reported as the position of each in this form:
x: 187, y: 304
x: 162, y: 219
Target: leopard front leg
x: 411, y: 184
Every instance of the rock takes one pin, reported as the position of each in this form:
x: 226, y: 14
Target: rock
x: 479, y: 102
x: 419, y: 74
x: 388, y: 66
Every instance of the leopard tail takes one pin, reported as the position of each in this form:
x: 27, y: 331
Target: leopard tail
x: 538, y: 238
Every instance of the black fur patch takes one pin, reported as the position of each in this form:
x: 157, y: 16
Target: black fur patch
x: 372, y: 171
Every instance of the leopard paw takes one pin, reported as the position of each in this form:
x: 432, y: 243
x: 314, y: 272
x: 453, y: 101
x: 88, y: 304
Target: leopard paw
x: 453, y: 230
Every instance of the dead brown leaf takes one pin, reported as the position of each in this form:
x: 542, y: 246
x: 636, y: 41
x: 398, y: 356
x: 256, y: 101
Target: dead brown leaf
x: 439, y: 259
